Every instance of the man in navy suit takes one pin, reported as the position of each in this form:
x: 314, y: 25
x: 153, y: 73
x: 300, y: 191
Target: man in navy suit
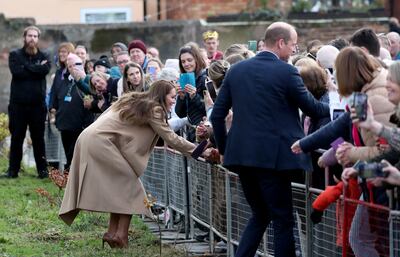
x: 265, y: 93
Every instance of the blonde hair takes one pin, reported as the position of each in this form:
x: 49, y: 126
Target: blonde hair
x: 217, y: 71
x: 100, y: 74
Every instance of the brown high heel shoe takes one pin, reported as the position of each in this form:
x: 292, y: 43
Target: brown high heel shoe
x: 119, y: 242
x: 108, y: 237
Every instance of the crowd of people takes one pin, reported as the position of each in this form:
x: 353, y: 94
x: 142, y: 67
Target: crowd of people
x: 261, y: 112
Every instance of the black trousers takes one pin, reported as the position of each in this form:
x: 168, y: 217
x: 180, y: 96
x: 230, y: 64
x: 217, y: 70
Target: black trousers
x: 20, y: 117
x: 69, y: 140
x: 269, y: 195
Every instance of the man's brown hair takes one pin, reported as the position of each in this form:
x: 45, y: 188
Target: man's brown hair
x: 32, y: 28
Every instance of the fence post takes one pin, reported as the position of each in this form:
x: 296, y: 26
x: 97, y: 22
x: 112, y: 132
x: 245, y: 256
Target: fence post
x: 230, y: 251
x: 169, y: 223
x: 188, y: 203
x: 309, y: 227
x: 391, y: 232
x: 209, y: 178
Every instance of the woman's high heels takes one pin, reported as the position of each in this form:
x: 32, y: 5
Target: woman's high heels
x: 108, y: 237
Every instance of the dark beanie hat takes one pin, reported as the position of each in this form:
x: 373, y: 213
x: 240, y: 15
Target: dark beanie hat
x: 103, y: 62
x: 137, y: 44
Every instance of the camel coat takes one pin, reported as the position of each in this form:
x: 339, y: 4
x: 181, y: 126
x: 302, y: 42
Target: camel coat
x: 110, y: 155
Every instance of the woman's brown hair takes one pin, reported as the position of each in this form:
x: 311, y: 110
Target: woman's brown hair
x: 126, y: 85
x: 138, y: 107
x: 315, y: 79
x: 354, y: 69
x: 194, y: 50
x: 67, y: 46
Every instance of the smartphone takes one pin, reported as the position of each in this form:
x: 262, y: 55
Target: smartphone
x: 151, y: 70
x: 187, y: 78
x: 336, y: 113
x: 360, y: 103
x: 252, y: 45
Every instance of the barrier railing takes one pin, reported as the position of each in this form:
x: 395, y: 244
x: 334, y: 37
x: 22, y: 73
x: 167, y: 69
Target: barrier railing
x: 212, y: 197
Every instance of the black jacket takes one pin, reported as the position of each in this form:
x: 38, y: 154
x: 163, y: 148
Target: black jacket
x: 28, y: 84
x: 66, y: 98
x: 109, y: 96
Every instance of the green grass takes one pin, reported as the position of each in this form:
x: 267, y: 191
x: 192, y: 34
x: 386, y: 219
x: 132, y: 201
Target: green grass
x: 29, y: 225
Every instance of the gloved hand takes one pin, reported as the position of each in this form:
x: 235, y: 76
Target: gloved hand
x: 316, y: 216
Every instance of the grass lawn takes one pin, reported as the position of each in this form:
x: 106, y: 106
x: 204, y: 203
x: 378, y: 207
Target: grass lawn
x: 29, y: 225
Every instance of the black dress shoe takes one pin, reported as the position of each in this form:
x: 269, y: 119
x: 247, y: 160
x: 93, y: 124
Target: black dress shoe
x: 43, y: 174
x: 10, y: 174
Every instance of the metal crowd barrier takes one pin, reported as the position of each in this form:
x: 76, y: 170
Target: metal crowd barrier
x: 212, y: 197
x: 54, y: 148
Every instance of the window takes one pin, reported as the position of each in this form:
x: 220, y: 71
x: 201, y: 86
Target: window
x: 106, y: 15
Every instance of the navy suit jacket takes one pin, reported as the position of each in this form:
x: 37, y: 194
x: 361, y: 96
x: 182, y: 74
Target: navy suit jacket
x: 265, y: 95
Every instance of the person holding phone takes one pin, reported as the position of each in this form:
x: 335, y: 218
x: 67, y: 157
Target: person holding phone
x: 154, y: 67
x: 67, y: 104
x: 356, y: 71
x: 190, y: 97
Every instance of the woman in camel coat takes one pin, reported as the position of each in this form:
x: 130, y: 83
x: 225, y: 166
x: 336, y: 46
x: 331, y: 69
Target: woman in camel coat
x: 112, y: 153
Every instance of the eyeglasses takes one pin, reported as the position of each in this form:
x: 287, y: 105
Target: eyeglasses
x: 122, y: 62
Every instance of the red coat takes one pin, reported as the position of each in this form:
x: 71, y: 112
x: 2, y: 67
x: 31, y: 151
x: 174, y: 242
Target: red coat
x: 331, y: 195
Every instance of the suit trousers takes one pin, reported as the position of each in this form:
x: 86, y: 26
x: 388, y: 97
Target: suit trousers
x: 69, y: 140
x: 20, y: 117
x: 269, y: 195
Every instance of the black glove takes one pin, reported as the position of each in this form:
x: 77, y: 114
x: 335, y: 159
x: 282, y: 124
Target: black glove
x: 316, y: 216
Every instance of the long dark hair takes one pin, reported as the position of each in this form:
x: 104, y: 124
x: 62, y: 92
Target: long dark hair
x: 127, y: 86
x: 138, y: 107
x: 192, y: 49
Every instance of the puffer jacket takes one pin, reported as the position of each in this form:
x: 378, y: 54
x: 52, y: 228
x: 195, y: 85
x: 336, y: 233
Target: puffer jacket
x: 382, y: 109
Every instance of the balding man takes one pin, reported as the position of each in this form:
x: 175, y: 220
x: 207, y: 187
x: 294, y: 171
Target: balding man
x: 265, y: 93
x: 394, y: 49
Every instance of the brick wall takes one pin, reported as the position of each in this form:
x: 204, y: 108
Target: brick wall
x: 168, y: 36
x: 201, y: 9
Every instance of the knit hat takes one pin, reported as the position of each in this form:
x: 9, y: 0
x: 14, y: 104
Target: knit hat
x: 137, y: 44
x: 102, y: 62
x: 120, y: 45
x: 326, y: 56
x: 172, y: 63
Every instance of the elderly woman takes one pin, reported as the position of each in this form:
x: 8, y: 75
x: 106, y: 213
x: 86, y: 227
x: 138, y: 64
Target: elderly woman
x: 112, y: 154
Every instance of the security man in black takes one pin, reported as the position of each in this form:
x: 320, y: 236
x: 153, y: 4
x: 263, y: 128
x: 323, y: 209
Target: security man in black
x: 29, y: 67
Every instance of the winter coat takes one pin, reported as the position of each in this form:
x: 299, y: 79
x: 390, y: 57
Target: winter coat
x: 109, y: 158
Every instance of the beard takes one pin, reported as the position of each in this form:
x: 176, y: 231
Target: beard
x: 31, y: 48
